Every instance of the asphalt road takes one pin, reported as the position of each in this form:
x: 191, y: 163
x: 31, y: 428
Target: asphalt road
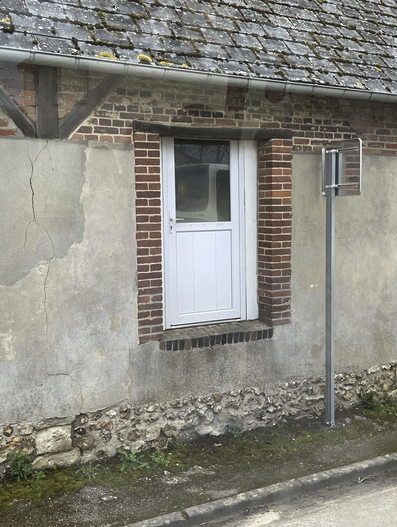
x: 371, y: 502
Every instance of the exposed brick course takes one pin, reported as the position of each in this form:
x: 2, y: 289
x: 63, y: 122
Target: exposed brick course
x: 18, y: 83
x: 148, y: 221
x: 274, y: 231
x: 313, y: 120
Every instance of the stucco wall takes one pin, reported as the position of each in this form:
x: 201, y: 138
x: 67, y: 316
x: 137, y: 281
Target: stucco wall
x: 68, y: 328
x: 365, y: 268
x: 366, y: 303
x: 67, y: 275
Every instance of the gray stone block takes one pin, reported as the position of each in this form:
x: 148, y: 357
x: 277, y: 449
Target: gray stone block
x: 55, y: 439
x: 63, y: 459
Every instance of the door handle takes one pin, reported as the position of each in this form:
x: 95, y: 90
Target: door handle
x: 171, y: 222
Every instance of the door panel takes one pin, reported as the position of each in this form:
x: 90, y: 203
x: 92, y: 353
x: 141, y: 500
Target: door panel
x: 203, y: 284
x: 201, y: 232
x: 223, y: 257
x: 185, y: 261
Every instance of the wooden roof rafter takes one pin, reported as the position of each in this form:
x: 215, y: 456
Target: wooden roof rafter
x: 48, y: 126
x: 12, y: 110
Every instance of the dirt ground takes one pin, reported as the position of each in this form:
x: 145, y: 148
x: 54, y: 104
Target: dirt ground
x: 205, y: 470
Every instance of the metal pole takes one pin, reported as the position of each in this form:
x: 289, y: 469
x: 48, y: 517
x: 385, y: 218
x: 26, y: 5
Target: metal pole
x: 329, y: 293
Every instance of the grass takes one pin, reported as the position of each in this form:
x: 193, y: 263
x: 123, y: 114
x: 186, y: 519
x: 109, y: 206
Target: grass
x: 20, y: 466
x: 132, y: 460
x: 89, y: 470
x: 56, y: 483
x: 374, y: 405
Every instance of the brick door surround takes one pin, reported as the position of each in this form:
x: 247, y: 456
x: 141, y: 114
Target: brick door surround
x: 274, y: 233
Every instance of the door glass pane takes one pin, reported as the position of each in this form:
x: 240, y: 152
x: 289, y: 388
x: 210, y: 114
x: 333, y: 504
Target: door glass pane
x: 202, y: 180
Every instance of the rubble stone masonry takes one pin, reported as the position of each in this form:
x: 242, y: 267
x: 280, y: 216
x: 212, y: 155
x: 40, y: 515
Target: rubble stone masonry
x: 96, y: 435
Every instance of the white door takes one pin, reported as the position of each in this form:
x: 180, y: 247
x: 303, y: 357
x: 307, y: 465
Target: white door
x: 202, y: 232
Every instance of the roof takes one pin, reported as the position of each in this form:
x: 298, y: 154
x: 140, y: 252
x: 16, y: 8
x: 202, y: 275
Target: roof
x: 343, y: 43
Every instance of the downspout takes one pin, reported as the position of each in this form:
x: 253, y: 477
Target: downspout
x: 98, y: 65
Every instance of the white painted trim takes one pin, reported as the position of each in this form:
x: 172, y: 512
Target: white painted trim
x: 166, y: 164
x: 242, y: 230
x: 247, y: 204
x: 250, y: 159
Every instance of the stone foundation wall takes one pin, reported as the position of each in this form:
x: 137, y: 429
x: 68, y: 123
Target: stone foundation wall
x: 97, y: 435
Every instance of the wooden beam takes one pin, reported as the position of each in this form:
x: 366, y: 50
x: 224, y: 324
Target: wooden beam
x: 87, y: 105
x: 11, y: 109
x: 191, y: 132
x: 45, y: 79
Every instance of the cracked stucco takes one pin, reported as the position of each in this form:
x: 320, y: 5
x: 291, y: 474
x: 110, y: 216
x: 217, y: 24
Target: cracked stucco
x: 67, y: 291
x: 68, y: 327
x: 33, y: 173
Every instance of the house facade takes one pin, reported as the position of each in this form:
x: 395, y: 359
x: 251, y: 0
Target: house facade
x: 163, y: 227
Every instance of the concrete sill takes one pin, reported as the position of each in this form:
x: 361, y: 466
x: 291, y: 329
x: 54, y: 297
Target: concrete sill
x: 215, y: 335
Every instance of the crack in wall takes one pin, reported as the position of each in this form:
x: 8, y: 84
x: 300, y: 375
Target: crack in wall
x: 46, y: 147
x: 46, y: 198
x: 53, y: 218
x: 34, y: 219
x: 98, y: 377
x: 48, y: 262
x: 68, y: 374
x: 129, y: 376
x: 75, y: 381
x: 46, y: 314
x: 56, y: 188
x: 32, y: 163
x: 80, y: 392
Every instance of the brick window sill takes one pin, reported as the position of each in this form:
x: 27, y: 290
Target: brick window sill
x: 215, y: 335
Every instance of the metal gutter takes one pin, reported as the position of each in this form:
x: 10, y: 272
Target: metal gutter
x: 98, y: 65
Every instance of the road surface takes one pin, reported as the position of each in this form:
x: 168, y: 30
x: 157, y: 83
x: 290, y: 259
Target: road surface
x: 371, y: 502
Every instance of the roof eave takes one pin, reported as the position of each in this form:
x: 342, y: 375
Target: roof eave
x: 99, y: 65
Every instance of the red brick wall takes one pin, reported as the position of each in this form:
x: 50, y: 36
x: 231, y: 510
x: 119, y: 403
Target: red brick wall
x: 18, y: 83
x: 274, y: 231
x: 74, y: 85
x: 148, y: 222
x: 7, y: 127
x: 112, y: 122
x: 313, y: 121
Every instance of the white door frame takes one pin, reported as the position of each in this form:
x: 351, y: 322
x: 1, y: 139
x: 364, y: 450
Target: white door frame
x: 246, y: 188
x: 249, y: 155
